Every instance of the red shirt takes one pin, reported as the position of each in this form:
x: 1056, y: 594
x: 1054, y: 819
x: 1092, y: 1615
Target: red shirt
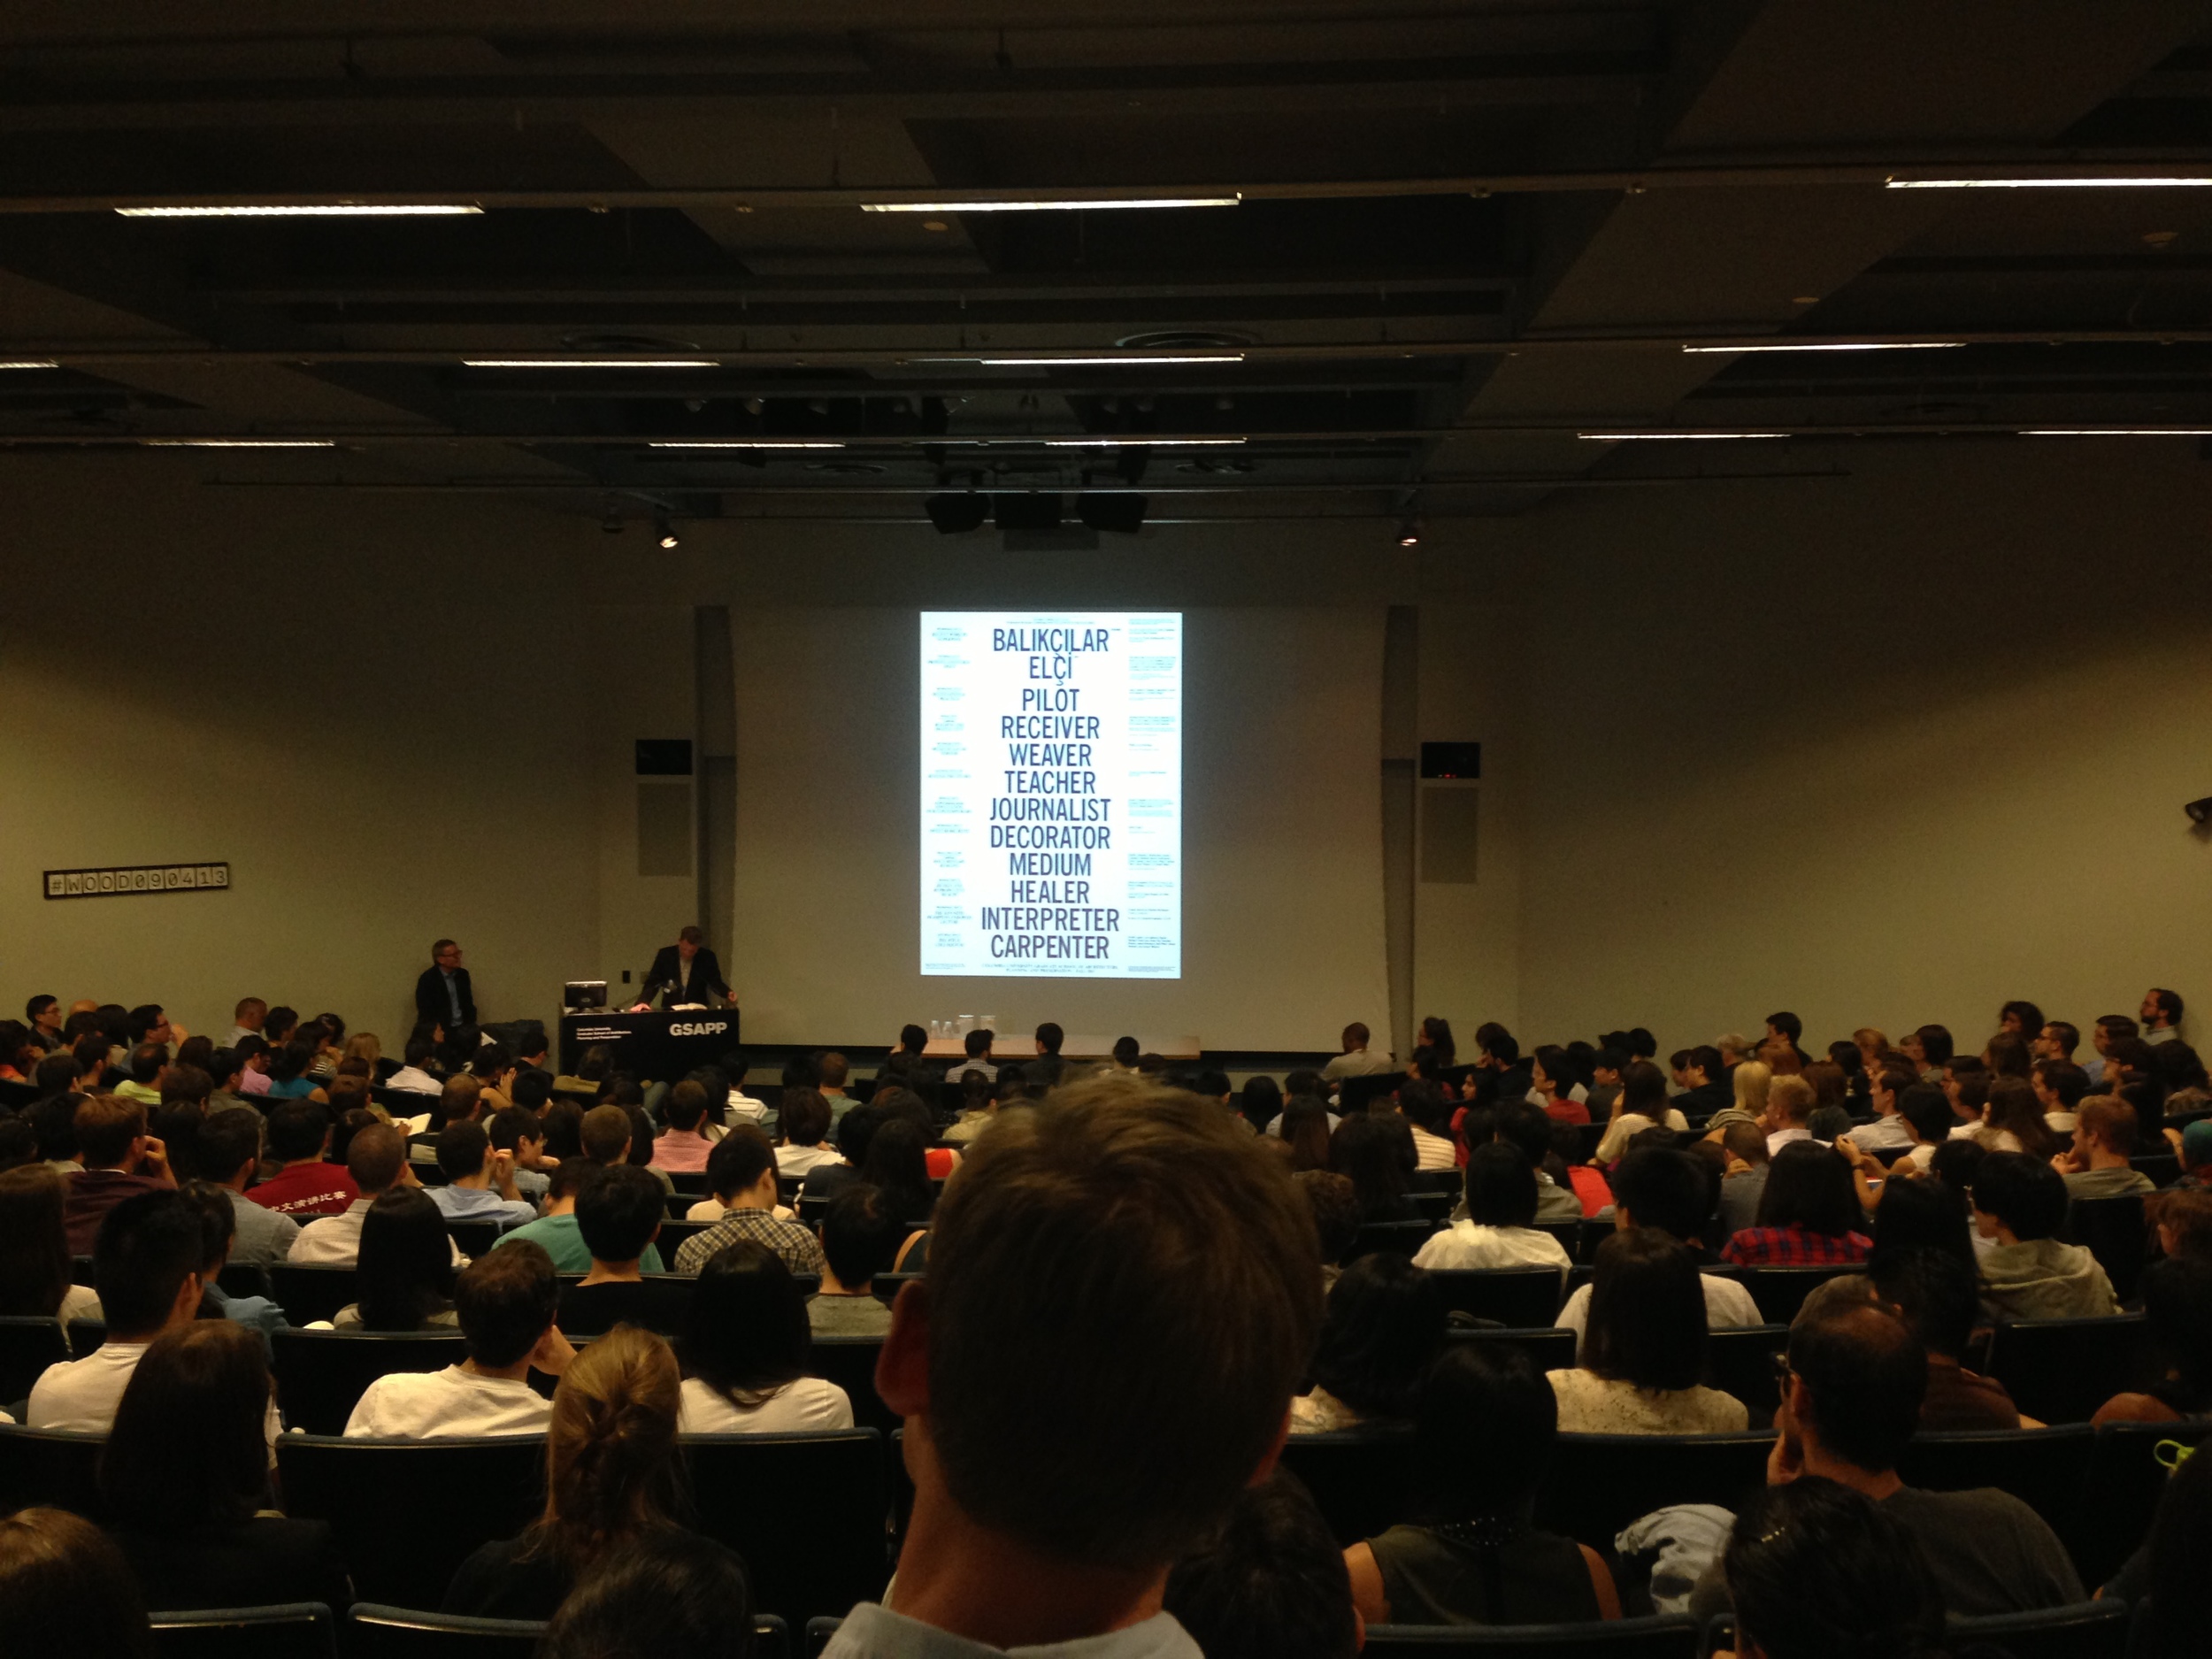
x: 939, y: 1161
x: 1564, y: 1110
x: 1590, y: 1188
x: 1794, y: 1247
x: 307, y: 1189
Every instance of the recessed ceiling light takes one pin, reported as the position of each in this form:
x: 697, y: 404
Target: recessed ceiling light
x: 310, y: 210
x: 28, y: 363
x: 1051, y: 207
x: 589, y: 362
x: 1648, y: 437
x: 935, y: 224
x: 1846, y: 345
x: 743, y: 443
x: 243, y: 443
x: 2159, y: 181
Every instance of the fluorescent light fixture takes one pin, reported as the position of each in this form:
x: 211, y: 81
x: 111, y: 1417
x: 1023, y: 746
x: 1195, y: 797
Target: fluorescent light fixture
x: 1089, y: 363
x: 589, y: 362
x: 1128, y: 442
x: 310, y: 210
x: 2161, y: 181
x: 243, y: 443
x: 1843, y: 345
x: 1651, y: 437
x: 743, y: 443
x: 2117, y: 432
x: 1085, y: 204
x: 28, y: 363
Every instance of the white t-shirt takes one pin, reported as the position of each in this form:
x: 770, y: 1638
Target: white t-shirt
x: 808, y: 1403
x: 1726, y: 1303
x: 79, y: 1301
x: 447, y: 1405
x: 83, y: 1393
x: 1431, y: 1152
x: 1467, y: 1244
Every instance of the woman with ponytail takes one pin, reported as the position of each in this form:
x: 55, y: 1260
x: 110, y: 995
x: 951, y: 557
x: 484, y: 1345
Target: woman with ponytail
x: 610, y: 1479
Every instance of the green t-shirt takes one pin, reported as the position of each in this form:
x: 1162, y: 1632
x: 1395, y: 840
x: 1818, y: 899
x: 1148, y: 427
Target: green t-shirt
x: 565, y: 1243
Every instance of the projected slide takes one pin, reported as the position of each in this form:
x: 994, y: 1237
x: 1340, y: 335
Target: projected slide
x: 1052, y: 794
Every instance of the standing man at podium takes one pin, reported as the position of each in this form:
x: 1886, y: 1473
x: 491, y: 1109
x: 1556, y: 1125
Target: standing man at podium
x: 443, y: 997
x: 688, y: 972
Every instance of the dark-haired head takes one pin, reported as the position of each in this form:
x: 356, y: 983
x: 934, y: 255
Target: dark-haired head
x: 1816, y: 1570
x: 1381, y: 1326
x: 189, y: 1445
x: 745, y: 1335
x: 1810, y: 1186
x: 664, y: 1591
x: 1646, y: 1320
x: 1364, y: 1149
x: 1484, y: 1424
x: 1501, y: 1186
x: 406, y: 1272
x: 1270, y: 1583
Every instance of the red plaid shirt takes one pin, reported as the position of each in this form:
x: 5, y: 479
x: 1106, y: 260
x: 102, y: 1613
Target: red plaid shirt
x: 1794, y: 1247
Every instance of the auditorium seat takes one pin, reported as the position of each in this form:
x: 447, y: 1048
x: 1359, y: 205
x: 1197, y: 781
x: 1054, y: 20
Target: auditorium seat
x: 1590, y: 1135
x: 1453, y: 1181
x: 659, y: 1302
x: 81, y: 1271
x: 1598, y: 1483
x: 1548, y: 1348
x: 1355, y: 1094
x: 674, y: 1234
x: 1522, y: 1298
x: 691, y: 1183
x: 1781, y: 1291
x: 28, y: 1345
x: 2162, y: 1168
x: 1739, y: 1361
x: 1399, y: 1238
x: 473, y: 1238
x: 2045, y: 1468
x: 2088, y: 1630
x: 321, y: 1375
x: 1568, y: 1235
x: 1436, y: 1208
x: 243, y: 1279
x: 308, y: 1294
x: 296, y: 1630
x: 812, y: 1208
x: 850, y: 1362
x: 2061, y: 1371
x: 376, y: 1631
x: 398, y: 1548
x: 53, y: 1467
x: 885, y: 1286
x: 1363, y: 1481
x: 821, y: 1544
x: 2120, y: 1493
x: 2113, y: 1228
x: 1590, y: 1233
x: 85, y: 1335
x: 1660, y: 1637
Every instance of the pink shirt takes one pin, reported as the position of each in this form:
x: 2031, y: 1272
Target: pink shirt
x: 681, y: 1149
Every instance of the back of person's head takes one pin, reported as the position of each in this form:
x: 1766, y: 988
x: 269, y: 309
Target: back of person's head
x: 289, y: 1060
x: 1334, y: 1203
x: 57, y: 1073
x: 531, y: 1089
x: 189, y: 1447
x: 1644, y: 1090
x: 105, y: 1126
x: 18, y: 1142
x: 146, y: 1247
x: 1484, y: 1426
x: 1381, y: 1326
x: 564, y: 1124
x: 1646, y: 1317
x: 90, y: 1052
x: 297, y: 1129
x: 1747, y: 1142
x: 804, y: 1117
x: 456, y: 1100
x: 1304, y: 1129
x: 861, y: 1234
x: 1364, y: 1149
x: 1866, y: 1372
x: 506, y: 1300
x: 606, y: 1132
x: 746, y: 1332
x: 1791, y: 1100
x: 489, y: 1060
x: 617, y: 1212
x: 1923, y: 1105
x: 857, y: 1127
x: 512, y: 1126
x: 1922, y: 1215
x: 227, y: 1141
x: 687, y: 1107
x: 739, y: 1159
x: 663, y: 1592
x: 898, y: 1162
x: 1957, y: 1163
x: 610, y: 1447
x: 462, y: 1149
x: 1270, y: 1583
x: 1501, y: 1186
x: 1175, y: 1235
x: 374, y: 1157
x: 66, y: 1589
x: 35, y: 1265
x: 147, y: 1059
x: 1663, y: 1189
x: 186, y: 1085
x: 2025, y: 1194
x: 2110, y: 1121
x: 2178, y: 1305
x: 1751, y: 1081
x: 1816, y: 1570
x: 1423, y: 1104
x: 1810, y: 1186
x: 218, y: 1223
x: 1934, y: 1292
x: 1527, y: 1126
x: 405, y: 1269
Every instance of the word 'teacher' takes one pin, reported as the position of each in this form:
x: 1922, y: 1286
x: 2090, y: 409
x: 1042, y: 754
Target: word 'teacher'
x: 1052, y: 794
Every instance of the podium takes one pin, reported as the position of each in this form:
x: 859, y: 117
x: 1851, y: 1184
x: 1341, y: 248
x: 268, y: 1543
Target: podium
x: 657, y: 1047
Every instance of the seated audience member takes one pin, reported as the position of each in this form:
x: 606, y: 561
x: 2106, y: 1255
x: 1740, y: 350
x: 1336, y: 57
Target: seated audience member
x: 412, y: 1077
x: 299, y: 1134
x: 1966, y: 1085
x: 1584, y: 1180
x: 860, y: 1238
x: 1664, y: 1190
x: 804, y: 1120
x: 2177, y: 1306
x: 1809, y: 1216
x: 831, y: 1072
x: 1269, y: 1584
x: 1710, y: 1089
x: 619, y: 1213
x: 682, y: 1145
x: 1484, y: 1430
x: 1743, y: 1182
x: 1334, y: 1203
x: 1748, y: 1082
x: 34, y: 1266
x: 216, y: 1209
x: 1364, y: 1149
x: 1888, y: 1130
x: 121, y: 1161
x: 403, y: 1267
x: 506, y: 1304
x: 1356, y: 1060
x: 1552, y: 1083
x: 142, y: 1086
x: 2013, y: 1120
x: 1935, y: 1292
x: 376, y: 1158
x: 611, y: 1478
x: 228, y: 1153
x: 1501, y: 1226
x: 287, y: 1072
x: 65, y: 1588
x: 557, y: 1231
x: 519, y: 1131
x: 897, y: 1166
x: 1518, y: 1124
x: 2060, y: 1088
x: 978, y: 1102
x: 146, y: 1267
x: 1791, y: 1101
x: 2104, y: 1140
x: 1816, y: 1570
x: 1849, y: 1405
x: 1643, y: 1347
x: 2020, y: 1202
x: 1429, y: 1116
x: 745, y: 1351
x: 1304, y: 1128
x: 1383, y: 1322
x: 480, y: 1182
x: 856, y: 1132
x: 1641, y: 1105
x: 186, y: 1476
x: 664, y: 1591
x: 741, y: 1172
x: 1169, y: 1228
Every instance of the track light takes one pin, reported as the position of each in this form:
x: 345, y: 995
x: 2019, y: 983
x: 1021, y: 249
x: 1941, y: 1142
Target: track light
x: 1409, y: 533
x: 955, y: 512
x: 664, y: 532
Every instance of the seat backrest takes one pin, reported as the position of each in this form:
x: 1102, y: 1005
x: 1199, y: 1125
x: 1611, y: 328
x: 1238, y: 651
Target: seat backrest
x: 850, y: 1362
x: 399, y: 1548
x: 2163, y: 1167
x: 308, y: 1294
x: 1739, y: 1361
x: 658, y: 1303
x: 1597, y: 1484
x: 375, y: 1631
x: 1547, y: 1347
x: 674, y: 1234
x: 2088, y: 1630
x: 1524, y: 1298
x: 885, y: 1286
x: 28, y: 1345
x: 1781, y: 1291
x: 818, y: 1545
x: 86, y: 1336
x: 1648, y: 1638
x: 691, y: 1182
x: 474, y: 1238
x: 51, y: 1467
x: 297, y: 1630
x: 2061, y: 1371
x: 1402, y: 1238
x: 2113, y: 1228
x: 2043, y: 1468
x: 321, y: 1375
x: 2120, y: 1493
x: 1364, y: 1480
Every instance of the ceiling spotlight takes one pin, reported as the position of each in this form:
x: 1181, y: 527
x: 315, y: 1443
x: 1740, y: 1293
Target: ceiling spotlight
x: 664, y: 532
x: 754, y: 405
x: 1409, y: 533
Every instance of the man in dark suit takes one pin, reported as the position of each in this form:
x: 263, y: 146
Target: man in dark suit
x: 688, y: 972
x: 442, y: 996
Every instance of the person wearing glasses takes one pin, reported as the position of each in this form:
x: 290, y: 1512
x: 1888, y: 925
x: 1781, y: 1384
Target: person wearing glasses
x: 444, y: 997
